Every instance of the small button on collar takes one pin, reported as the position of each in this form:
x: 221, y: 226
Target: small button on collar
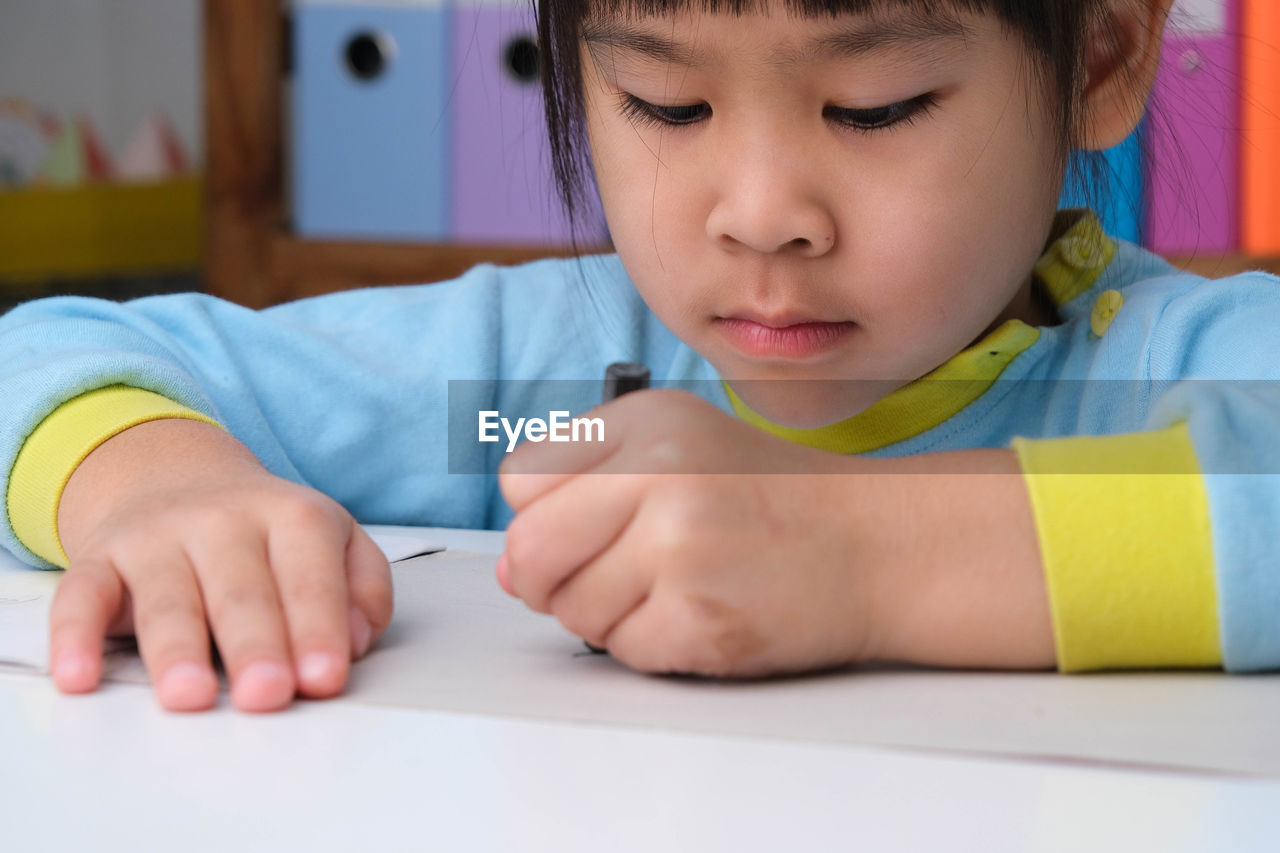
x: 1104, y: 311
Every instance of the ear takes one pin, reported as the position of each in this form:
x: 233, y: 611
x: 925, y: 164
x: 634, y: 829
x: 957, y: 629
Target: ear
x: 1122, y: 52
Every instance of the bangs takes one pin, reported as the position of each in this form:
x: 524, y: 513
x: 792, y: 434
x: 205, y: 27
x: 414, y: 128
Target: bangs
x: 1042, y: 24
x: 797, y: 8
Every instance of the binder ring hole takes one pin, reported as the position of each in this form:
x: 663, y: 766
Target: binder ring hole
x: 522, y: 59
x: 369, y: 53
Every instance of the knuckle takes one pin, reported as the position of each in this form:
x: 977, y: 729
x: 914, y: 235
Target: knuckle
x: 309, y: 510
x: 213, y: 518
x: 673, y: 532
x: 667, y: 453
x: 310, y: 586
x: 169, y: 606
x: 239, y: 599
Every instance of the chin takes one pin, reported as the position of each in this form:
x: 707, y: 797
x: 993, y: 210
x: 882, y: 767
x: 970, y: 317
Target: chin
x: 807, y: 403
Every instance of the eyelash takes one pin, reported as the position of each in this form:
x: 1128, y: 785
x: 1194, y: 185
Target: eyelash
x: 902, y: 113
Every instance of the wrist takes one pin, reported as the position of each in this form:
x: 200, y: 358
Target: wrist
x: 945, y: 545
x: 143, y: 459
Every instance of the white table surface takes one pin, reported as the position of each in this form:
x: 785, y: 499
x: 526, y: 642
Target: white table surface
x: 454, y: 762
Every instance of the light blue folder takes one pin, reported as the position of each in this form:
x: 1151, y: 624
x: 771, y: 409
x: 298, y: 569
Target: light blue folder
x: 371, y: 120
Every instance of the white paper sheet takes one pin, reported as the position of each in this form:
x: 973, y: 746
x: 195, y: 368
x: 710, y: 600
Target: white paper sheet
x: 25, y: 595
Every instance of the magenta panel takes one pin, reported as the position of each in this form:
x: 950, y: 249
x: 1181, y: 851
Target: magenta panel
x: 1194, y: 131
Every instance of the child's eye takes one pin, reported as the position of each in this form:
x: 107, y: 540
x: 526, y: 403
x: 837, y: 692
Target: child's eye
x: 879, y: 118
x: 644, y: 112
x: 866, y: 120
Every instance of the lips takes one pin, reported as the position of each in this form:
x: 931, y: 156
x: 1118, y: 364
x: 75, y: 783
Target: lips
x: 784, y: 336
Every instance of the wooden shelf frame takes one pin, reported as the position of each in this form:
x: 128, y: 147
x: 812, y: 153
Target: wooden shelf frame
x: 250, y: 255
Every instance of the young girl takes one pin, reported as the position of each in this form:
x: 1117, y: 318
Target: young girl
x: 835, y: 221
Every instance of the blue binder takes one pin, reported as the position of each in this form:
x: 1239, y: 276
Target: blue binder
x: 370, y: 120
x: 1124, y: 211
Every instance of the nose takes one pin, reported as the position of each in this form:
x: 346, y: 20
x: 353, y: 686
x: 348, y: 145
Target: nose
x: 768, y: 205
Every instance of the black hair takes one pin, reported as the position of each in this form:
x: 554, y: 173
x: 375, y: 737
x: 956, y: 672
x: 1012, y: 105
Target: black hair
x: 1055, y: 32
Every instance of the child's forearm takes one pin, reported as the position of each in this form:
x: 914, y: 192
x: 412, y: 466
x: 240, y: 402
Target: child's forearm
x: 959, y: 579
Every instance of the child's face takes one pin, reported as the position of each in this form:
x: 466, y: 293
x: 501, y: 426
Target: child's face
x: 769, y: 209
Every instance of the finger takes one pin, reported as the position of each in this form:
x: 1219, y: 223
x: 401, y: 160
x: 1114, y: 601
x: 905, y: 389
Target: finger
x: 535, y: 468
x: 566, y: 529
x: 308, y: 560
x: 369, y: 581
x: 245, y: 614
x: 173, y: 637
x: 601, y: 595
x: 87, y: 600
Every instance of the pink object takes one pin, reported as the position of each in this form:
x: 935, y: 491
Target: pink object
x: 153, y: 153
x: 1193, y: 178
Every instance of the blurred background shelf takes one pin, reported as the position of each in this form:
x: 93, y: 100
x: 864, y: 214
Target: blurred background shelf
x: 251, y: 256
x: 100, y: 231
x: 223, y: 223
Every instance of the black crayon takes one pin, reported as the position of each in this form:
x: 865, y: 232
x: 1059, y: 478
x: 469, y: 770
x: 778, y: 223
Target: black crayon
x: 621, y: 377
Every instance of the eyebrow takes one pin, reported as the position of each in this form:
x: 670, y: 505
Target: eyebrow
x: 871, y: 36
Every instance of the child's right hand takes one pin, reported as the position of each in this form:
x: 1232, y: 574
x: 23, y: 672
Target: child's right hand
x: 174, y: 530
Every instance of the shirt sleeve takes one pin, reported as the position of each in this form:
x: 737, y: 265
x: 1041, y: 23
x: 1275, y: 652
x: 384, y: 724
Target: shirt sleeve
x: 1123, y: 526
x: 1161, y: 543
x: 347, y: 393
x: 51, y: 454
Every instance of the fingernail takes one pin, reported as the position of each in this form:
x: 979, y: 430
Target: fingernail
x: 316, y: 668
x: 361, y: 633
x: 73, y: 670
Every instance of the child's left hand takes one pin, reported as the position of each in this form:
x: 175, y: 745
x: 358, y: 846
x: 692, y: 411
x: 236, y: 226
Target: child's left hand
x: 676, y: 546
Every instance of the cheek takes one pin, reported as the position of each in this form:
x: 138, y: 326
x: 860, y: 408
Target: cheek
x: 954, y: 240
x: 652, y: 221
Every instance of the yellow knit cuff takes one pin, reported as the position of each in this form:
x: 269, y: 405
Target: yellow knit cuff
x: 1125, y: 538
x: 60, y: 443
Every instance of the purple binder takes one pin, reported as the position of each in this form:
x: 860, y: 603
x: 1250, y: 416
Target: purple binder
x: 502, y: 190
x: 1193, y: 177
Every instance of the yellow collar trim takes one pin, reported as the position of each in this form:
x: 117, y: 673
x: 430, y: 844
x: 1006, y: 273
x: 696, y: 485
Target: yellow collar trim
x: 1073, y: 261
x: 914, y: 408
x: 1069, y: 266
